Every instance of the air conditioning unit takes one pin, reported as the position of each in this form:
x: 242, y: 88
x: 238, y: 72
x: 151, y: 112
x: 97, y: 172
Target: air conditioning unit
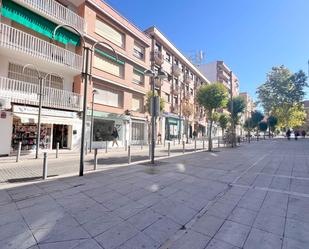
x: 5, y: 104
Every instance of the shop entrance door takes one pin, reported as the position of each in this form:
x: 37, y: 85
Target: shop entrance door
x: 60, y: 135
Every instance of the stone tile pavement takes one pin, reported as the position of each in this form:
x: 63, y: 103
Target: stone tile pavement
x: 253, y: 197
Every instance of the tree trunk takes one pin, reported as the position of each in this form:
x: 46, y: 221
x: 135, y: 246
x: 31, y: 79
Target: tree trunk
x: 209, y: 137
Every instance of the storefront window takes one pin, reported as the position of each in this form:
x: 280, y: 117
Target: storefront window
x: 102, y: 130
x: 138, y: 132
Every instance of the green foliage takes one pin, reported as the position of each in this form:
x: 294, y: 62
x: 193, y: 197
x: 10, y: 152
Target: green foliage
x: 148, y: 97
x: 239, y: 106
x: 282, y: 94
x: 272, y: 122
x: 211, y: 97
x: 290, y: 116
x: 263, y: 126
x: 248, y: 125
x: 256, y: 118
x: 223, y: 121
x: 187, y: 109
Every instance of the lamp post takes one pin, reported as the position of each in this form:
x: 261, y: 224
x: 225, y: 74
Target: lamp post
x: 38, y: 130
x: 94, y: 92
x: 86, y: 75
x: 154, y: 75
x: 232, y: 107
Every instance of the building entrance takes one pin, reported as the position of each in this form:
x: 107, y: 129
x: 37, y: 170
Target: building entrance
x: 60, y: 135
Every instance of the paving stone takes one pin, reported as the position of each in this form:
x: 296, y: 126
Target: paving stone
x: 207, y: 225
x: 233, y: 233
x: 116, y: 236
x: 190, y: 239
x: 297, y: 230
x: 218, y: 244
x: 21, y: 240
x: 72, y: 244
x: 144, y: 219
x: 243, y: 216
x: 263, y: 240
x: 270, y: 223
x: 140, y: 241
x: 129, y: 210
x: 289, y: 243
x: 221, y: 209
x: 161, y: 230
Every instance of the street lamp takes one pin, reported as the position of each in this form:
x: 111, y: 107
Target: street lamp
x: 232, y: 108
x: 86, y: 75
x: 94, y: 92
x: 38, y: 129
x: 160, y: 75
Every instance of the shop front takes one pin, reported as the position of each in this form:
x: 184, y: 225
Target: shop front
x: 103, y: 125
x: 139, y: 131
x: 56, y: 127
x: 173, y: 126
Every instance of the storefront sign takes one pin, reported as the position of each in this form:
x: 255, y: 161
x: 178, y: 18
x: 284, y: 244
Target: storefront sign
x: 45, y: 112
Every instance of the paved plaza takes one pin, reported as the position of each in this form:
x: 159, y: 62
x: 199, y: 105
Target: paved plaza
x: 255, y: 196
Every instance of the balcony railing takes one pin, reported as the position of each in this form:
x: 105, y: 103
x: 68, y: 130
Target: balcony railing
x: 188, y: 80
x: 57, y: 12
x: 17, y: 40
x: 176, y: 70
x: 175, y: 90
x: 158, y: 57
x: 27, y: 93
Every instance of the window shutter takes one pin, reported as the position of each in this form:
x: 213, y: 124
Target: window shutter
x: 109, y: 33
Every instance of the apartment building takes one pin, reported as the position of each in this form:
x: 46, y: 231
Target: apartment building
x: 218, y: 71
x: 26, y: 37
x: 250, y: 106
x: 119, y: 83
x: 181, y: 115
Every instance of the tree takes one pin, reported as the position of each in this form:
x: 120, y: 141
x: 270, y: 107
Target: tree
x: 263, y: 127
x: 272, y: 122
x: 256, y: 118
x: 211, y: 97
x: 187, y: 111
x: 290, y: 116
x: 239, y: 106
x: 148, y: 98
x: 248, y: 127
x: 281, y: 93
x: 223, y: 122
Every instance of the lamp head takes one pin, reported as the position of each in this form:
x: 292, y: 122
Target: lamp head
x: 149, y: 73
x: 162, y: 75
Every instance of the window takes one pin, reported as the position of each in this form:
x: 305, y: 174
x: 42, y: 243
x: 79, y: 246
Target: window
x: 138, y: 51
x: 137, y: 103
x: 168, y: 57
x: 138, y: 76
x: 176, y: 62
x: 158, y: 47
x: 108, y: 96
x: 138, y: 132
x: 109, y: 33
x: 166, y: 97
x: 108, y: 65
x: 102, y: 129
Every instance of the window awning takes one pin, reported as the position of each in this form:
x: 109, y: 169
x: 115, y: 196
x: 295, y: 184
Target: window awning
x: 109, y: 56
x: 28, y: 118
x: 37, y: 23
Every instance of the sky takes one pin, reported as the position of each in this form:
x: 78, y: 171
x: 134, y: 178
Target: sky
x: 251, y: 36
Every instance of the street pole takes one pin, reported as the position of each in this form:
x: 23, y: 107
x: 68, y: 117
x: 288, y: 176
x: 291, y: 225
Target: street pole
x: 91, y: 124
x: 153, y: 142
x: 232, y: 107
x: 38, y: 136
x: 85, y: 75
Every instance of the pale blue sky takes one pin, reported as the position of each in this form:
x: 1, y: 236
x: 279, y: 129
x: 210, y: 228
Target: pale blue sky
x: 251, y: 36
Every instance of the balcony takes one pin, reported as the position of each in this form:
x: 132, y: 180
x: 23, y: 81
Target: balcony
x: 187, y: 95
x: 188, y: 80
x: 175, y: 109
x: 175, y: 90
x: 14, y: 39
x: 158, y: 57
x: 176, y: 70
x: 55, y: 11
x: 27, y: 93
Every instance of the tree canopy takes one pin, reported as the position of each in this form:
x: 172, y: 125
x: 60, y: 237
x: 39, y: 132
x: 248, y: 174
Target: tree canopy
x: 211, y: 97
x: 281, y: 96
x: 256, y: 118
x: 148, y: 97
x: 239, y: 106
x: 223, y: 121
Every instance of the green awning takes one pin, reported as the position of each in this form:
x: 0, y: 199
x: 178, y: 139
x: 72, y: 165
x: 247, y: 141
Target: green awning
x: 172, y: 121
x: 37, y: 23
x: 109, y: 56
x: 138, y: 71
